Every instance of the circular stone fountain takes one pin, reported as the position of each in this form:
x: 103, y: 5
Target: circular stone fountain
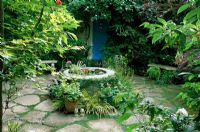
x: 102, y: 73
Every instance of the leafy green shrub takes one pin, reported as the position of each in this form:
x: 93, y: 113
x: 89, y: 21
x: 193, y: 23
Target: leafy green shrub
x: 33, y: 28
x: 159, y: 119
x: 76, y: 47
x: 154, y: 73
x: 167, y: 77
x: 75, y: 69
x: 110, y: 93
x: 71, y: 91
x: 94, y: 105
x: 125, y: 35
x: 80, y: 53
x: 184, y: 37
x: 120, y: 64
x: 40, y: 28
x: 55, y: 91
x: 191, y: 96
x: 64, y: 92
x: 107, y: 92
x: 116, y: 91
x: 125, y: 100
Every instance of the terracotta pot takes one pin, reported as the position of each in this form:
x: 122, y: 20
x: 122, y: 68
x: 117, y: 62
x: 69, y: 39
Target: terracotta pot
x: 70, y: 106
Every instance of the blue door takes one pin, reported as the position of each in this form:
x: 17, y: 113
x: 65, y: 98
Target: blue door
x: 99, y: 39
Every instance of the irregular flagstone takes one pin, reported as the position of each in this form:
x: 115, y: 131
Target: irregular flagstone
x: 6, y: 86
x: 27, y: 91
x: 10, y: 104
x: 8, y: 115
x: 105, y: 125
x: 153, y: 95
x: 5, y: 128
x: 136, y: 119
x: 25, y: 83
x: 57, y: 119
x: 28, y: 100
x: 46, y: 105
x: 73, y: 128
x: 4, y: 97
x: 41, y: 92
x: 35, y: 128
x: 19, y: 109
x: 35, y: 116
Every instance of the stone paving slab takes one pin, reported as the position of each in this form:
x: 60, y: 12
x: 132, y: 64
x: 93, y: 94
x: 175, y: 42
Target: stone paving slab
x: 19, y: 109
x: 4, y: 97
x: 8, y: 115
x: 161, y: 94
x: 5, y: 128
x: 74, y: 128
x: 10, y: 104
x: 28, y: 100
x: 35, y: 128
x: 58, y: 119
x: 27, y: 91
x: 46, y: 105
x: 105, y: 125
x: 41, y: 92
x: 136, y: 119
x: 35, y: 116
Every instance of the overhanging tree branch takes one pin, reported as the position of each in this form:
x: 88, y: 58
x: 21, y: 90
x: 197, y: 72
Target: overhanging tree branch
x: 40, y: 17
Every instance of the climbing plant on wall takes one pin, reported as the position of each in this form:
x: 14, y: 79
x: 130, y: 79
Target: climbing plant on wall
x: 124, y: 17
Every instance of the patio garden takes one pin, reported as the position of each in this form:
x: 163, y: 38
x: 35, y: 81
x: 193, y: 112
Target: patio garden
x: 100, y: 65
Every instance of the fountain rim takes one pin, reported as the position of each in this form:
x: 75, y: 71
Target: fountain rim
x: 108, y: 73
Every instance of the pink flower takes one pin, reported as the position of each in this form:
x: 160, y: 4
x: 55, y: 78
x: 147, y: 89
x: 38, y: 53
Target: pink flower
x: 68, y: 62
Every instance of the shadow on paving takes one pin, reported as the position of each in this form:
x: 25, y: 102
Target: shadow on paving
x: 161, y: 94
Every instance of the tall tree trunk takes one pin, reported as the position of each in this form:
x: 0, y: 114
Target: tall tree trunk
x: 1, y: 61
x: 1, y: 106
x: 1, y: 19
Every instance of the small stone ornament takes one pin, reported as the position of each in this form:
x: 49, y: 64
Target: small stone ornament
x: 82, y: 112
x: 52, y: 65
x: 76, y: 112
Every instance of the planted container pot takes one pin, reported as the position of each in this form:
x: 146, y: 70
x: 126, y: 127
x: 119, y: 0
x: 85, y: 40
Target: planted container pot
x: 70, y: 106
x: 66, y: 93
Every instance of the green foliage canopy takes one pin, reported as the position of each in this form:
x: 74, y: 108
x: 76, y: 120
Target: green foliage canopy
x: 33, y: 28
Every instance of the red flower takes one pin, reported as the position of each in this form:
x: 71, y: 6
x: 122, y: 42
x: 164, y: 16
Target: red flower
x: 58, y: 2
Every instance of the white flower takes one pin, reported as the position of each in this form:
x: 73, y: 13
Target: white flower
x: 182, y: 111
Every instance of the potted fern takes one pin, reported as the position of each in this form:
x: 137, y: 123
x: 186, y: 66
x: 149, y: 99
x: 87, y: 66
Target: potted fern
x: 66, y: 95
x: 71, y: 95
